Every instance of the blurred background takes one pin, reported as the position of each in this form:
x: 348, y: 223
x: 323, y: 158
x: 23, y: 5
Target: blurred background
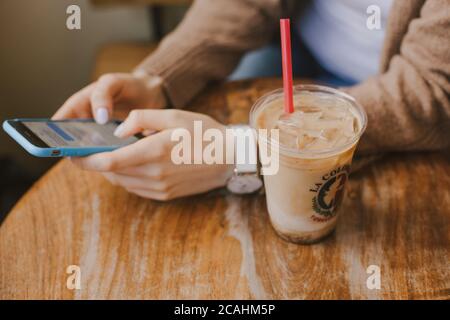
x: 42, y: 63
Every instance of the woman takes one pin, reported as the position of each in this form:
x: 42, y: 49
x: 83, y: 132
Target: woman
x: 407, y: 101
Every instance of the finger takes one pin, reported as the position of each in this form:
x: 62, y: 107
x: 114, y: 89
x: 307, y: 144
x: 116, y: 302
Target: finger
x: 151, y: 148
x: 174, y: 184
x: 154, y: 195
x: 77, y: 106
x: 157, y: 171
x: 133, y: 171
x: 110, y: 177
x: 140, y: 120
x: 133, y: 182
x: 108, y: 87
x: 185, y: 188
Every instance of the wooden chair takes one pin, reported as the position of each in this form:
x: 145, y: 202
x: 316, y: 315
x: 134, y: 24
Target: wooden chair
x: 123, y: 57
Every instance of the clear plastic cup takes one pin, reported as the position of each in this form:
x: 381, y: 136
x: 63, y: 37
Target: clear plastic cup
x: 304, y: 196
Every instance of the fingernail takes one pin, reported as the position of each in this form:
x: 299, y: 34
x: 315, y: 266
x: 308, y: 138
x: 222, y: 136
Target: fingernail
x: 119, y: 130
x: 101, y: 115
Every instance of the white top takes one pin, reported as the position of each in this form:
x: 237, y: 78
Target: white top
x: 339, y: 35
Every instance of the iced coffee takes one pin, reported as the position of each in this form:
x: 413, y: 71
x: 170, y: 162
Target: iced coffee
x: 315, y: 147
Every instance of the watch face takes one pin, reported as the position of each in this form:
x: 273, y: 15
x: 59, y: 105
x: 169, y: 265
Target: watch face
x: 244, y: 184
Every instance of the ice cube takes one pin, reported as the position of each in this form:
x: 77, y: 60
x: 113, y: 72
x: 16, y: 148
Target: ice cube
x: 303, y: 141
x: 322, y: 124
x: 329, y: 134
x: 288, y: 133
x: 313, y: 133
x: 309, y: 109
x: 348, y: 126
x: 291, y: 120
x: 312, y: 127
x: 340, y: 141
x: 334, y: 113
x: 319, y: 144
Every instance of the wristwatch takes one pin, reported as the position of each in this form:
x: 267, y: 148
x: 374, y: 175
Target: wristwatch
x: 245, y: 178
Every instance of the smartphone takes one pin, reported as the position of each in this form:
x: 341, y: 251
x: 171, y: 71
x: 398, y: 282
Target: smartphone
x: 65, y: 138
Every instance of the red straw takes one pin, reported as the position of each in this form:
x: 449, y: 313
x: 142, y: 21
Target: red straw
x: 287, y: 65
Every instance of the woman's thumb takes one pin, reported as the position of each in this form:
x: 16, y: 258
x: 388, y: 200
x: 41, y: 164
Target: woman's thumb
x: 155, y: 120
x: 134, y: 123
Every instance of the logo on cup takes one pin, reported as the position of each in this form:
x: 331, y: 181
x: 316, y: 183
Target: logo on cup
x: 329, y: 193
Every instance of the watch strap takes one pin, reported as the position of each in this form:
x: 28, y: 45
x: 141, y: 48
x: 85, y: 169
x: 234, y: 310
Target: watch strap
x: 245, y: 149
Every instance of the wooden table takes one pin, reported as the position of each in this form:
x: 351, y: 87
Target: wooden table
x: 218, y: 246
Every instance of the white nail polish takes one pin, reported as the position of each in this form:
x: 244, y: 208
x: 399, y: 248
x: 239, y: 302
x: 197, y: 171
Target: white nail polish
x: 101, y: 115
x: 119, y: 130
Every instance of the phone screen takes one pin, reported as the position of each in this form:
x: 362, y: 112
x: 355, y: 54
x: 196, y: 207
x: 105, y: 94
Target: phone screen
x: 77, y: 133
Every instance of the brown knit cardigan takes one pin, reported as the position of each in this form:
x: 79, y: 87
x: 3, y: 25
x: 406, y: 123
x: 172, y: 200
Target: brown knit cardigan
x: 407, y: 102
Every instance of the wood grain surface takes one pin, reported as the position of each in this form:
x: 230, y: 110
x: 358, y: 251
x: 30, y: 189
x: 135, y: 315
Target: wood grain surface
x: 219, y: 246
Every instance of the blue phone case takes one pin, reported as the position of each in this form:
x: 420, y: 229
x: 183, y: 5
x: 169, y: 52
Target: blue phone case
x: 55, y: 151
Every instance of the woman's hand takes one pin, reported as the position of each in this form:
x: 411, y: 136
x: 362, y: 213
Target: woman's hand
x: 114, y: 95
x: 146, y: 168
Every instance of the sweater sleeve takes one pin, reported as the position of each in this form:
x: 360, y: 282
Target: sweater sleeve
x: 208, y: 44
x: 408, y: 106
